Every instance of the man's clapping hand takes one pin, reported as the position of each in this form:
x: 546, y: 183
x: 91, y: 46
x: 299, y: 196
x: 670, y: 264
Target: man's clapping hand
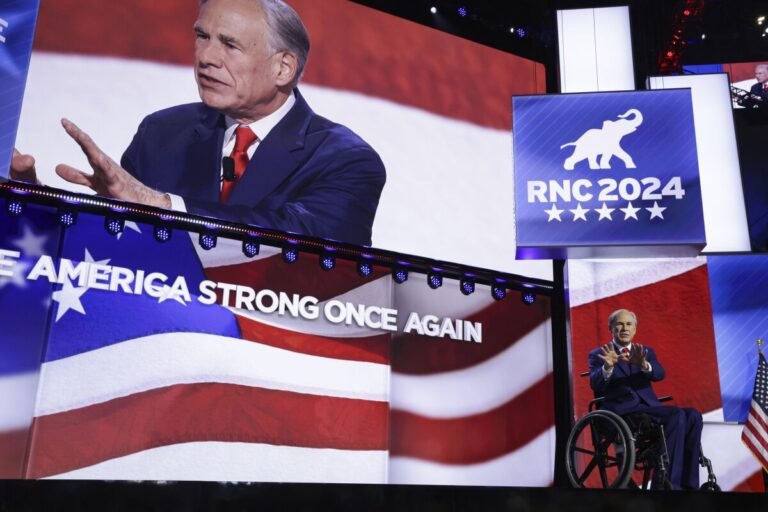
x: 637, y: 356
x: 610, y: 357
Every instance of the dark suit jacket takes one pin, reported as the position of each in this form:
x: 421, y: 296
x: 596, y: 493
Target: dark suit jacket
x: 628, y: 389
x: 757, y: 89
x: 309, y: 175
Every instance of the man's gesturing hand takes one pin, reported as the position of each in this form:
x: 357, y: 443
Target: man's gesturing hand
x: 609, y: 356
x: 108, y: 178
x: 23, y: 168
x: 638, y: 356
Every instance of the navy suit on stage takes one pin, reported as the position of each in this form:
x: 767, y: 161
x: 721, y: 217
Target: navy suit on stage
x: 309, y: 175
x: 758, y: 90
x: 629, y: 390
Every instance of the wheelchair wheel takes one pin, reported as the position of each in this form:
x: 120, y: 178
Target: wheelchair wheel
x: 600, y: 452
x: 710, y: 486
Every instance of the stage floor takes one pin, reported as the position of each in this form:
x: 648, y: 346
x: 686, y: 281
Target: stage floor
x: 26, y: 495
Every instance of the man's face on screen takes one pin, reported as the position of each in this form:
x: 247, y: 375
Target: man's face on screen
x: 761, y: 74
x: 623, y: 328
x: 235, y: 70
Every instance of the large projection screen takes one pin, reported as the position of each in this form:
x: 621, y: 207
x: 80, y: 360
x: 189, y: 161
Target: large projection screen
x: 435, y: 107
x: 129, y: 385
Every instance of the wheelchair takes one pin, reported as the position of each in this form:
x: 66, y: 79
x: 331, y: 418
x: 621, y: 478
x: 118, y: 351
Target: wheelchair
x: 604, y: 450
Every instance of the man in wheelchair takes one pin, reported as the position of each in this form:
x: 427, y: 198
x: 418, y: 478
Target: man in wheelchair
x: 621, y: 373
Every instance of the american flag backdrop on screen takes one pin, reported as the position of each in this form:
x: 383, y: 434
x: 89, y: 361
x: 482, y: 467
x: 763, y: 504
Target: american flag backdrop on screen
x: 24, y: 307
x: 141, y: 387
x: 473, y: 414
x: 755, y: 433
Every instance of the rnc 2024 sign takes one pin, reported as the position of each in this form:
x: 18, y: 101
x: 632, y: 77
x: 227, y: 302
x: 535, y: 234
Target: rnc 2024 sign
x: 611, y: 174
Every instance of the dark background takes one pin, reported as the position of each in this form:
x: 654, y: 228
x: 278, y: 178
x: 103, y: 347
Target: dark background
x: 730, y: 28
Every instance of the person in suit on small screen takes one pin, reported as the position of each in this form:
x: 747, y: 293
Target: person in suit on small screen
x: 252, y: 150
x: 623, y: 372
x: 761, y: 87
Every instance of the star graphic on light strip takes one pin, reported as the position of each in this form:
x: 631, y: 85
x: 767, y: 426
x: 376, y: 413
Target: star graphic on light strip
x: 69, y: 295
x: 168, y: 295
x: 554, y: 213
x: 630, y: 211
x: 605, y: 212
x: 69, y: 298
x: 31, y: 245
x: 18, y: 278
x: 656, y: 210
x: 129, y: 224
x: 579, y: 213
x: 89, y: 259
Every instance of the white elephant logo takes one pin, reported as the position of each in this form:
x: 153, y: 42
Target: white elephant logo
x: 605, y: 143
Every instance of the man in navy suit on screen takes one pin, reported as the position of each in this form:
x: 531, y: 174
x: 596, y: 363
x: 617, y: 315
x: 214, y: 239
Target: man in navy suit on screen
x: 252, y: 151
x: 761, y: 87
x: 623, y: 372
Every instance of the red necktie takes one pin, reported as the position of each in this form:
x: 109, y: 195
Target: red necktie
x: 244, y: 137
x: 624, y: 351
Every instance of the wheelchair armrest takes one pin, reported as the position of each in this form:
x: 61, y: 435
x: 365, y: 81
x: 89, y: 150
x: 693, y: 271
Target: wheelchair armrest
x: 595, y: 402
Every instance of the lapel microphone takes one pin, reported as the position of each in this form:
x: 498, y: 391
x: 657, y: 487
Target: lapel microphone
x: 228, y: 167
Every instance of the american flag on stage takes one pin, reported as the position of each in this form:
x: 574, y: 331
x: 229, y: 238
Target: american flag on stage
x: 755, y: 433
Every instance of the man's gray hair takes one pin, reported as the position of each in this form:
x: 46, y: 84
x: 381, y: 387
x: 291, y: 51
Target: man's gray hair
x: 613, y: 316
x: 287, y: 32
x: 761, y: 66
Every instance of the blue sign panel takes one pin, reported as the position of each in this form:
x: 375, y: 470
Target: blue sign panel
x: 17, y: 29
x: 606, y: 174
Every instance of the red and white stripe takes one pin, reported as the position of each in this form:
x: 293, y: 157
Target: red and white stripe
x: 469, y: 414
x: 315, y: 393
x: 18, y: 392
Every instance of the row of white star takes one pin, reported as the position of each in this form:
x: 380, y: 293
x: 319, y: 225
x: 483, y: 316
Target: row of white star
x: 630, y: 212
